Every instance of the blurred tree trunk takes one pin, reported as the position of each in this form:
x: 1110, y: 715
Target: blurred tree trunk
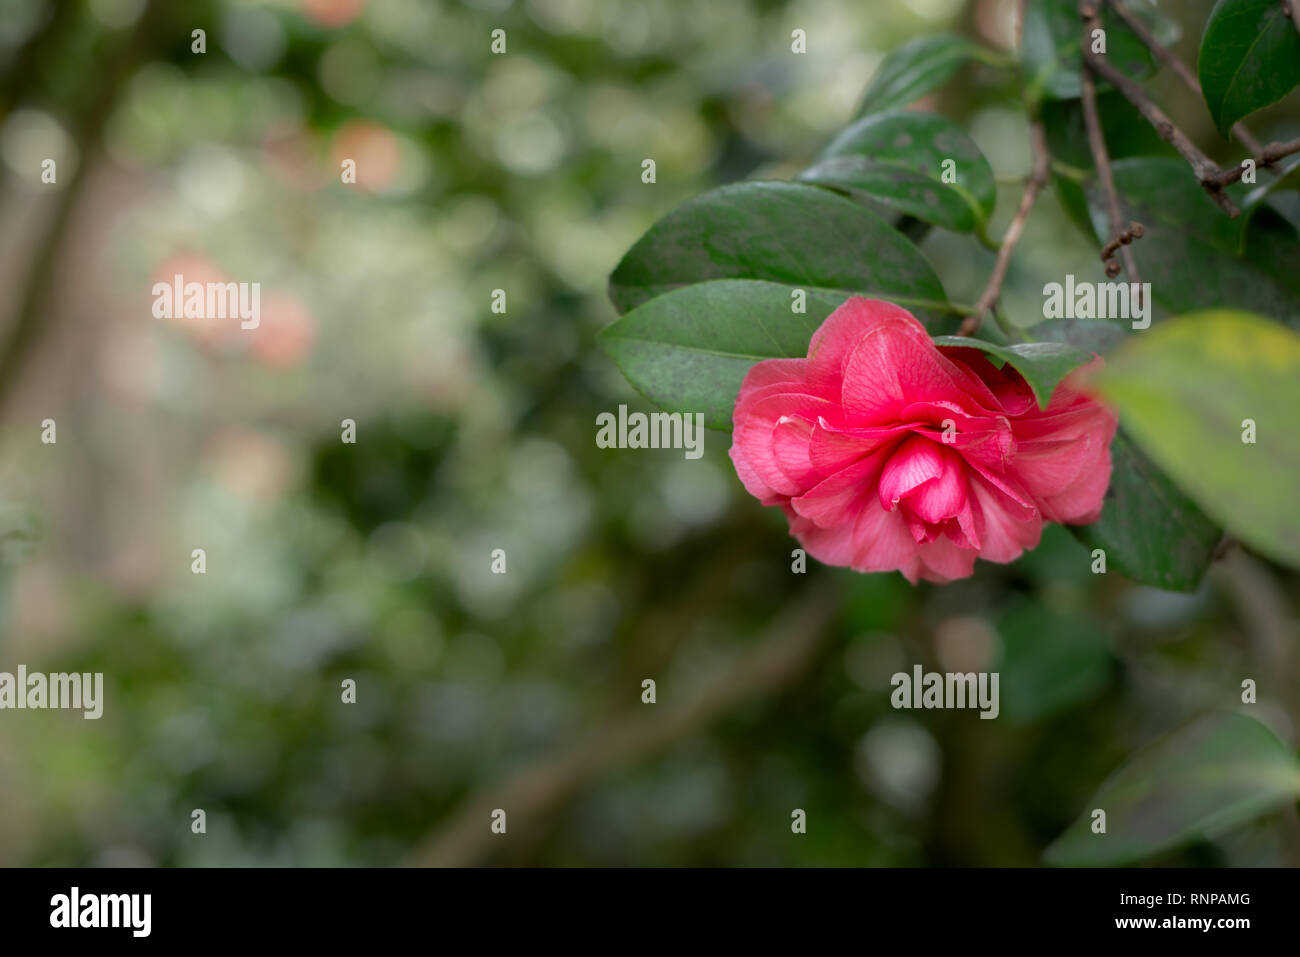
x: 31, y: 318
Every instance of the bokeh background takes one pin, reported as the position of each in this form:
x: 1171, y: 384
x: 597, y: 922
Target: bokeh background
x: 476, y: 431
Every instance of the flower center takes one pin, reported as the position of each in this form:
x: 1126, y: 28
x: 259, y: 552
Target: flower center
x: 926, y: 482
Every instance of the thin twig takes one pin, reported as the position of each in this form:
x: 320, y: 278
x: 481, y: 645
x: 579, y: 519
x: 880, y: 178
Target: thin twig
x: 1126, y: 235
x: 1269, y: 155
x: 1120, y: 237
x: 1181, y: 69
x: 1038, y: 178
x: 1207, y: 172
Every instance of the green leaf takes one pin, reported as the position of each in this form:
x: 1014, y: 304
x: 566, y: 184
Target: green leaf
x: 1250, y: 57
x: 688, y: 350
x: 1212, y: 775
x: 1184, y: 390
x: 1193, y: 255
x: 1151, y: 532
x: 915, y: 69
x: 898, y: 159
x: 788, y: 233
x: 1043, y: 364
x: 1051, y: 57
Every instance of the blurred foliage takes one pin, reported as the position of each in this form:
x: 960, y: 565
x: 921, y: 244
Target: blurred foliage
x: 475, y: 431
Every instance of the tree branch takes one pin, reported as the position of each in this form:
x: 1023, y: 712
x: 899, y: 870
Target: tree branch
x: 33, y: 301
x: 1181, y: 69
x: 1207, y: 172
x: 1039, y: 176
x: 1120, y: 237
x: 536, y: 791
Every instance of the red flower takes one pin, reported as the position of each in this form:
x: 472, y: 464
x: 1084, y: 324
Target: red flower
x: 888, y: 452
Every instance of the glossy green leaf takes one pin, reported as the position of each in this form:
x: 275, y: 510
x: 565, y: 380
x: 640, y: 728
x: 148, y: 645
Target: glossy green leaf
x: 1250, y: 58
x: 914, y: 70
x: 901, y: 160
x: 1190, y: 390
x: 1212, y: 775
x: 787, y: 233
x: 1151, y: 532
x: 688, y: 350
x: 1043, y: 364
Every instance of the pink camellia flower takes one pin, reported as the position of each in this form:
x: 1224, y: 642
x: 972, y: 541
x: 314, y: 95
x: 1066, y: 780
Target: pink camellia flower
x: 852, y: 444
